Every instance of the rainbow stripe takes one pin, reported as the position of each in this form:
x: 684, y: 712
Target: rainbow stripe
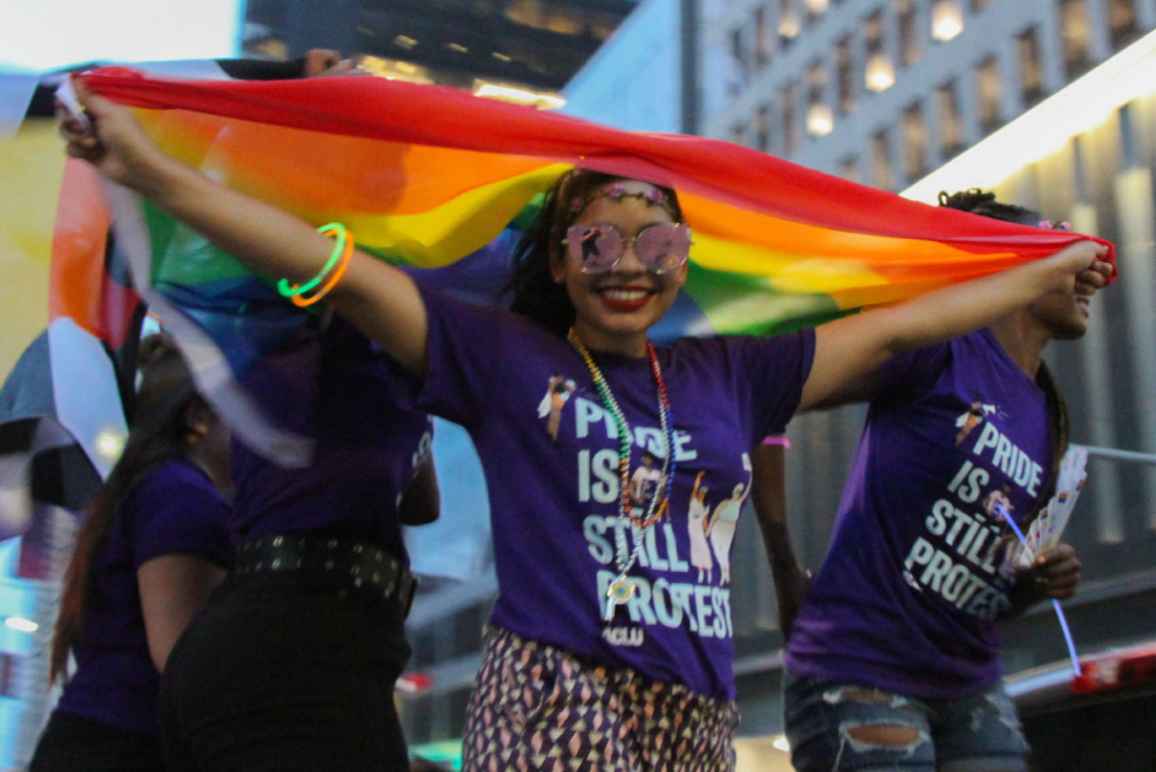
x: 434, y: 179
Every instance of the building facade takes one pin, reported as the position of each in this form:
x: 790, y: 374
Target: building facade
x: 534, y: 45
x: 884, y: 91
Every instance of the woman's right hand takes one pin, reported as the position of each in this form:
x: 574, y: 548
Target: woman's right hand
x: 112, y: 141
x: 1079, y: 268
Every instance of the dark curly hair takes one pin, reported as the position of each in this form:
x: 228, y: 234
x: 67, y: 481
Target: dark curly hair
x: 984, y: 203
x: 535, y: 293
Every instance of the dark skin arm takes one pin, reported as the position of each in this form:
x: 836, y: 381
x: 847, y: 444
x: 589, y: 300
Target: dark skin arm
x: 770, y: 499
x: 421, y: 502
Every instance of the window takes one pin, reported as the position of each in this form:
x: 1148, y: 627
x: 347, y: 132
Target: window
x: 946, y: 20
x: 789, y: 24
x: 845, y: 75
x: 820, y: 121
x: 988, y: 87
x: 849, y: 169
x: 908, y: 40
x: 880, y: 72
x: 914, y: 142
x: 789, y: 101
x: 739, y: 133
x: 815, y: 10
x: 950, y: 122
x: 881, y: 160
x: 1031, y: 74
x: 762, y: 39
x: 873, y: 32
x: 739, y: 52
x: 763, y: 128
x: 1075, y: 31
x: 1122, y: 22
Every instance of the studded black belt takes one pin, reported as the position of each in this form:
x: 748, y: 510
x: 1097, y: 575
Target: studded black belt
x: 347, y: 565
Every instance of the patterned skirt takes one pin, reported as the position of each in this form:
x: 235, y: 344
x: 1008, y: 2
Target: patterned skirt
x: 537, y: 707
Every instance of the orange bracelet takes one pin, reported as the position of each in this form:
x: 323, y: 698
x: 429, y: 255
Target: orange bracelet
x: 302, y: 301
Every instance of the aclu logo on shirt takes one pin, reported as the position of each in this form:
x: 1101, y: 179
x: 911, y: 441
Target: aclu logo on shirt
x: 956, y: 556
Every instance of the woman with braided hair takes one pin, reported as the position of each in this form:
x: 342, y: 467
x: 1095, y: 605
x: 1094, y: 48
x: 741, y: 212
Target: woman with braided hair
x: 894, y: 656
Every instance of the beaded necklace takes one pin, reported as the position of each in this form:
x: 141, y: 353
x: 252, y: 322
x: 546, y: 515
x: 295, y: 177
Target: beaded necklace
x: 622, y: 589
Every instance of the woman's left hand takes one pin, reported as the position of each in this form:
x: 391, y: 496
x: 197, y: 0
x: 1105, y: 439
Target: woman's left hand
x: 1055, y: 573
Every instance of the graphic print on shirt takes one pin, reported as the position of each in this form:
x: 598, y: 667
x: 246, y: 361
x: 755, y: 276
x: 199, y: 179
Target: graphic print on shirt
x: 646, y: 482
x: 725, y: 520
x: 674, y: 584
x: 958, y: 555
x: 974, y: 416
x: 698, y: 512
x: 558, y: 391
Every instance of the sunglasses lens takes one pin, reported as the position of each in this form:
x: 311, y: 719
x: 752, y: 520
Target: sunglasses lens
x: 596, y: 247
x: 665, y: 247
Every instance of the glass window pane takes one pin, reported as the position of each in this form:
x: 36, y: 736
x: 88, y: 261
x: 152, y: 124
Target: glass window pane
x: 950, y: 122
x: 882, y: 175
x: 1075, y: 31
x: 1031, y: 73
x: 990, y: 92
x: 1122, y: 22
x: 845, y: 75
x: 914, y: 142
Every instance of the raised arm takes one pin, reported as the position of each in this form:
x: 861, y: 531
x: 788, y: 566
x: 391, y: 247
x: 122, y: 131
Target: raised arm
x: 379, y: 299
x: 848, y: 350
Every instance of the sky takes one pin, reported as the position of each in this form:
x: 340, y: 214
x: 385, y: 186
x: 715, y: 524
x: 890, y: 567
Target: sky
x: 46, y: 34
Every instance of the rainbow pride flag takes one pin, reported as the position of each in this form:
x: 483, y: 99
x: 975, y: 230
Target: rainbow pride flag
x: 438, y: 180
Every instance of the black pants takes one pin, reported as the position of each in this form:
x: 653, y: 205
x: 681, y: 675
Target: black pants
x: 276, y: 676
x: 71, y: 742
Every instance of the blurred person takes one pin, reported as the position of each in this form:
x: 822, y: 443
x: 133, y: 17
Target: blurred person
x: 293, y: 664
x: 893, y: 658
x: 578, y: 663
x: 154, y: 544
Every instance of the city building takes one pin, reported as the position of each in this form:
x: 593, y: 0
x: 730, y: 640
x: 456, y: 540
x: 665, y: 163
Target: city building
x: 884, y: 91
x: 524, y: 50
x: 644, y: 79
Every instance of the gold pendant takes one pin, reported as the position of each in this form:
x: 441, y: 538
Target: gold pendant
x: 619, y: 593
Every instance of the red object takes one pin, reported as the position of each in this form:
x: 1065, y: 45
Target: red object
x: 413, y: 683
x: 1117, y: 670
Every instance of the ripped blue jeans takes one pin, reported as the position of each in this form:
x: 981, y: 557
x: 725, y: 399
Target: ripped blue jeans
x: 834, y: 726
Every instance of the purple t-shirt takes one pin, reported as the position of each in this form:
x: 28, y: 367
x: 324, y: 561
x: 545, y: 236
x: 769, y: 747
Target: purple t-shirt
x: 173, y: 510
x: 906, y: 598
x: 549, y: 453
x: 340, y: 389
